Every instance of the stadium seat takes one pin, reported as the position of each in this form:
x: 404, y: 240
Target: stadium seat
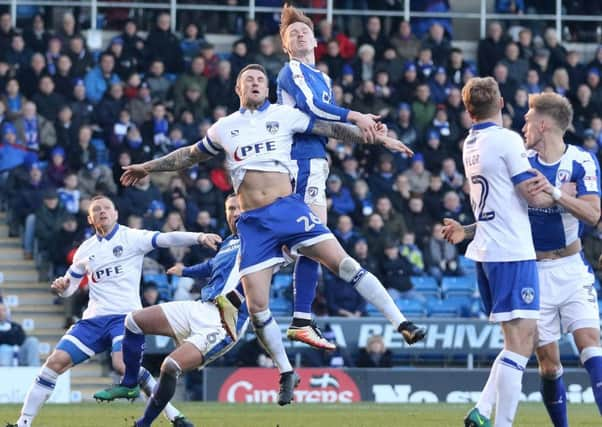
x: 467, y: 265
x: 280, y: 307
x: 411, y: 307
x: 426, y: 285
x: 460, y: 285
x: 444, y: 308
x: 281, y: 284
x: 372, y: 311
x: 464, y: 304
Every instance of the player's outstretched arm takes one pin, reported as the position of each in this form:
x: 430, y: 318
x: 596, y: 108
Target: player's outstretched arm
x: 352, y: 133
x: 182, y: 158
x: 185, y: 238
x: 454, y: 232
x: 65, y: 286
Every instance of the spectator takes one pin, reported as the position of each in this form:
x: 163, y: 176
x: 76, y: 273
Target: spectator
x: 401, y: 194
x: 405, y: 43
x: 394, y: 223
x: 418, y: 176
x: 442, y: 256
x: 205, y: 194
x: 109, y: 107
x: 403, y: 126
x: 141, y: 106
x: 96, y: 179
x: 557, y: 51
x: 438, y: 44
x: 433, y: 197
x: 136, y: 199
x: 162, y: 44
x: 100, y: 78
x: 375, y: 354
x: 560, y: 81
x: 150, y: 294
x: 345, y: 233
x: 251, y: 37
x: 35, y: 131
x: 533, y: 85
x: 268, y: 57
x: 63, y: 79
x: 525, y: 44
x: 157, y: 82
x: 326, y: 35
x: 453, y: 208
x: 68, y: 28
x: 410, y: 251
x: 456, y: 66
x: 384, y: 90
x: 439, y: 86
x: 332, y: 58
x: 13, y: 99
x: 583, y: 107
x: 342, y: 298
x: 83, y: 110
x: 239, y: 57
x: 189, y: 128
x: 29, y: 77
x: 517, y: 66
x: 491, y: 49
x: 350, y: 172
x: 450, y: 175
x: 519, y: 107
x: 364, y: 65
x: 64, y: 243
x: 395, y: 272
x: 155, y: 217
x: 18, y: 56
x: 423, y: 108
x: 361, y: 253
x: 6, y: 31
x: 507, y: 86
x: 188, y: 210
x: 53, y: 52
x: 125, y: 63
x: 424, y: 64
x: 382, y: 180
x: 375, y: 233
x: 448, y: 131
x: 47, y: 101
x: 541, y: 63
x: 191, y: 43
x: 419, y: 220
x: 593, y: 82
x: 12, y: 336
x: 194, y: 102
x: 133, y: 44
x: 36, y: 38
x: 340, y: 196
x: 406, y: 90
x: 69, y: 193
x: 211, y: 60
x: 193, y: 77
x: 575, y: 69
x: 374, y: 37
x: 592, y: 248
x: 155, y: 130
x: 363, y: 200
x: 81, y: 58
x: 57, y: 167
x: 220, y: 89
x: 48, y: 222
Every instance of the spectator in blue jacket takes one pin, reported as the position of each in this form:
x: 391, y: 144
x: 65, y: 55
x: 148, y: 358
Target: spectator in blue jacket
x: 99, y: 78
x: 342, y: 201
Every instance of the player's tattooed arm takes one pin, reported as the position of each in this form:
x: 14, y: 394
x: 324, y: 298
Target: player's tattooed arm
x: 454, y: 232
x: 469, y: 231
x: 179, y: 159
x: 351, y: 133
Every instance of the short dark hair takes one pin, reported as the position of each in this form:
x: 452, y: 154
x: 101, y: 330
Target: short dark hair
x: 257, y: 67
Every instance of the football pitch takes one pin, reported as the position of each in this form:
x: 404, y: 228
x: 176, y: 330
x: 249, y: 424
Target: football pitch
x: 307, y: 415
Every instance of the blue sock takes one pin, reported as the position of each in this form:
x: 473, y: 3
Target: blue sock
x: 132, y: 347
x: 591, y: 357
x: 305, y: 284
x: 163, y: 393
x: 553, y: 393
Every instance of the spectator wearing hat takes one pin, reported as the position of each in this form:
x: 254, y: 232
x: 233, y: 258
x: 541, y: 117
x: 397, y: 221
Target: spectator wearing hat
x: 57, y: 166
x: 63, y: 79
x: 418, y: 176
x: 12, y: 151
x: 163, y: 44
x: 83, y: 110
x: 406, y: 89
x: 30, y: 76
x: 125, y: 62
x: 405, y: 42
x: 438, y: 44
x: 82, y: 60
x: 63, y: 243
x: 48, y: 222
x: 383, y: 179
x: 491, y: 49
x: 36, y: 132
x: 99, y: 79
x: 155, y: 216
x: 439, y: 86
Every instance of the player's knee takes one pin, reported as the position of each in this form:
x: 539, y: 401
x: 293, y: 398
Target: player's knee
x: 58, y: 361
x: 550, y: 369
x: 171, y: 367
x: 350, y: 269
x: 131, y: 325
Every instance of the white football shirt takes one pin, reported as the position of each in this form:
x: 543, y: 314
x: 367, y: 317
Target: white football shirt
x: 258, y: 140
x: 113, y: 265
x: 495, y: 161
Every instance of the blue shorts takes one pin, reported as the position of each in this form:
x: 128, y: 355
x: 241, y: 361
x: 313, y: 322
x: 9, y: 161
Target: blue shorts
x: 263, y: 231
x: 91, y: 336
x: 509, y: 290
x: 311, y: 181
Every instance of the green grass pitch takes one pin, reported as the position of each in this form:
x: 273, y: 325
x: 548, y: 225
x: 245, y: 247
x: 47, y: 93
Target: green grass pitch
x: 307, y: 415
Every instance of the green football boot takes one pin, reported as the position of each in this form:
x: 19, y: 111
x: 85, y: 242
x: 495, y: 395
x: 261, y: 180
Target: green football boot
x: 475, y: 419
x: 117, y: 392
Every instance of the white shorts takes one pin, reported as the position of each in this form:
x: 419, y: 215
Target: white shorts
x: 311, y: 181
x: 568, y: 299
x: 198, y: 323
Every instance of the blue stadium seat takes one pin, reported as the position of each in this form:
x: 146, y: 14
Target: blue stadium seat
x: 280, y: 307
x: 281, y: 282
x: 411, y: 308
x: 426, y: 285
x: 461, y: 285
x: 467, y: 265
x: 372, y: 311
x: 464, y: 304
x: 162, y: 282
x: 444, y: 308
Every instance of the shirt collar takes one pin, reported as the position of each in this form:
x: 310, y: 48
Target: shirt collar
x: 483, y: 125
x: 108, y: 236
x: 262, y: 107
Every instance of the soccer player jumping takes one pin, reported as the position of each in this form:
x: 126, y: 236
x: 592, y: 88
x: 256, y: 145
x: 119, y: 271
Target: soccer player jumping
x: 257, y: 142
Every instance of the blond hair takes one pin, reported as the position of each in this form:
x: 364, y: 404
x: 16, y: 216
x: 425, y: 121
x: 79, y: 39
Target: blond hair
x: 481, y: 97
x: 555, y: 106
x: 289, y: 16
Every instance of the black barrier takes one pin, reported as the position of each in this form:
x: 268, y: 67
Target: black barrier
x: 445, y: 337
x: 329, y: 385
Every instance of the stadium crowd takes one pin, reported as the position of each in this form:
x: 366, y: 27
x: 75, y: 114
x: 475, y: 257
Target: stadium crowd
x: 70, y: 119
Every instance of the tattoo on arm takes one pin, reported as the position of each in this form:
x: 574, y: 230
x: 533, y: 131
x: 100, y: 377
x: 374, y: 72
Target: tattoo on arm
x: 338, y: 130
x: 182, y: 158
x: 469, y: 231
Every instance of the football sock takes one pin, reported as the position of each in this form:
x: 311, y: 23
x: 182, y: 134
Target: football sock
x: 162, y: 393
x: 488, y: 395
x: 268, y: 334
x: 133, y: 346
x: 509, y: 386
x: 305, y: 282
x: 148, y: 384
x: 38, y: 394
x: 553, y: 394
x: 370, y: 288
x: 591, y: 357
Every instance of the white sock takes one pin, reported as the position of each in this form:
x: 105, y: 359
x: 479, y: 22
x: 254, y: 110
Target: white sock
x: 147, y: 384
x: 489, y: 393
x: 38, y: 394
x: 268, y: 334
x: 509, y: 386
x: 370, y: 288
